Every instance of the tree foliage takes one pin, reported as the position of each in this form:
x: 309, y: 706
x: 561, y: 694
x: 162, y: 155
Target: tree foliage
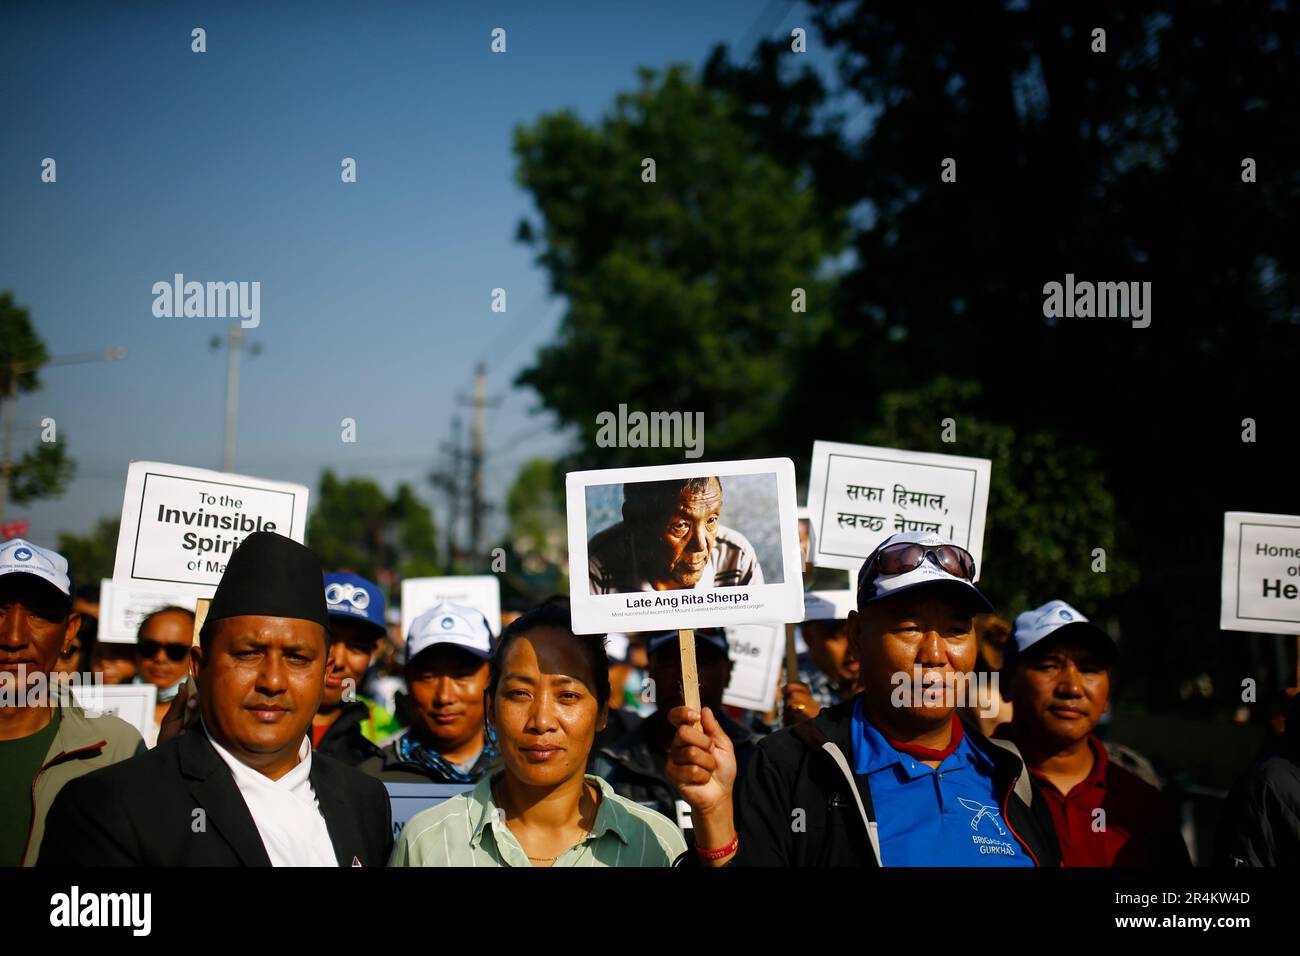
x: 46, y: 470
x: 1123, y: 165
x: 356, y: 527
x: 91, y: 556
x: 679, y: 290
x: 926, y: 297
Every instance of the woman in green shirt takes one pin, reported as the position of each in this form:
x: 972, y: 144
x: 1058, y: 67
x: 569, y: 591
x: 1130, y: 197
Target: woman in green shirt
x: 547, y: 697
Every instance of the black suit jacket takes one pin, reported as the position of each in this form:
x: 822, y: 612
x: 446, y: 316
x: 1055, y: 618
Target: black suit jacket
x: 142, y: 812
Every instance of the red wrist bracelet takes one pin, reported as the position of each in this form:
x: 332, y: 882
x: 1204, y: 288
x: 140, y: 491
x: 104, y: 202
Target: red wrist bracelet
x: 719, y: 853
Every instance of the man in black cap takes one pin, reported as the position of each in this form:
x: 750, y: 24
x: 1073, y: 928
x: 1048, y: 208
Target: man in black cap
x: 243, y: 786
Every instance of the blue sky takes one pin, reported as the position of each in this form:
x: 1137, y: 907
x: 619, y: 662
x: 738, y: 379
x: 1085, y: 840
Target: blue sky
x: 225, y: 166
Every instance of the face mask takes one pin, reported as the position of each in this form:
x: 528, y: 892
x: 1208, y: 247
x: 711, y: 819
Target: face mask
x: 168, y: 693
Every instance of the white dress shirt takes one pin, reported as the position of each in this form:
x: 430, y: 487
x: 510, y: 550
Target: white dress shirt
x: 286, y: 811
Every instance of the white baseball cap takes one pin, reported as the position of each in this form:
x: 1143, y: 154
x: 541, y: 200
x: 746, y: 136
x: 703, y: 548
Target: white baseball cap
x: 878, y: 586
x: 1053, y: 619
x: 453, y: 624
x: 19, y: 556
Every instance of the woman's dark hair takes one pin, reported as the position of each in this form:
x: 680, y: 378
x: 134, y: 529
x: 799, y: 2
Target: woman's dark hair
x: 554, y: 612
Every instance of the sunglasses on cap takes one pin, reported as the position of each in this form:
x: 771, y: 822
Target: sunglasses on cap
x: 908, y: 556
x: 175, y: 652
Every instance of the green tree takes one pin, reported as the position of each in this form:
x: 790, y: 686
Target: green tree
x: 535, y: 507
x: 1123, y: 165
x: 91, y: 556
x: 356, y: 527
x: 680, y: 290
x: 1049, y: 506
x: 46, y: 470
x: 535, y: 546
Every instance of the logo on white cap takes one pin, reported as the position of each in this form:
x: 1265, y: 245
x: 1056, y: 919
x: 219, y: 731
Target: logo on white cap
x: 449, y: 623
x: 338, y: 593
x: 1034, y: 625
x: 18, y: 556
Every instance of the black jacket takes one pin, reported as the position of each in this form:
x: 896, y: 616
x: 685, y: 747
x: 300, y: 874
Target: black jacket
x: 798, y: 768
x: 1261, y: 817
x: 140, y: 812
x: 345, y: 742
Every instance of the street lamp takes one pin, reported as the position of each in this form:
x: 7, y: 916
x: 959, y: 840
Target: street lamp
x: 234, y: 345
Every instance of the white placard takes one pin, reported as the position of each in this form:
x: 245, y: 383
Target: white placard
x: 408, y: 799
x: 610, y: 586
x: 829, y: 605
x: 479, y: 591
x: 134, y: 703
x: 859, y: 495
x: 122, y: 608
x: 756, y: 656
x: 1261, y: 573
x: 180, y: 524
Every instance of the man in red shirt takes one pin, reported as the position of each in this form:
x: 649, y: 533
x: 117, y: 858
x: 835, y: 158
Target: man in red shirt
x: 1058, y: 671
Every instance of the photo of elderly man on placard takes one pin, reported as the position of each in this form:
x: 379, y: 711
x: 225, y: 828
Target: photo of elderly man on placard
x: 671, y: 537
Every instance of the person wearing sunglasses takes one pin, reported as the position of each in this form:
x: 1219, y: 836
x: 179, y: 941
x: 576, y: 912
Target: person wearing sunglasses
x: 163, y: 643
x: 892, y: 776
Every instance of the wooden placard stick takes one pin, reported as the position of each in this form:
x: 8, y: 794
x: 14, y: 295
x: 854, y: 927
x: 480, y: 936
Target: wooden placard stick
x: 791, y: 657
x: 690, y: 673
x: 200, y: 615
x: 182, y: 714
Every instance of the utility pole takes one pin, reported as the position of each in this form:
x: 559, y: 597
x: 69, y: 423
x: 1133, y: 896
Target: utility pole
x: 450, y: 481
x: 478, y: 508
x: 476, y: 462
x: 234, y: 345
x: 11, y: 402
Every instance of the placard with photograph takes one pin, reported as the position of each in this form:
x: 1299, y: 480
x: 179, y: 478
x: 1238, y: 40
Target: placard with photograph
x: 684, y: 546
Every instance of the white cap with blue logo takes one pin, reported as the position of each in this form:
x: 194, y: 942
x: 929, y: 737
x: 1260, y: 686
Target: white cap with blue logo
x: 453, y: 624
x: 1043, y: 622
x: 19, y: 556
